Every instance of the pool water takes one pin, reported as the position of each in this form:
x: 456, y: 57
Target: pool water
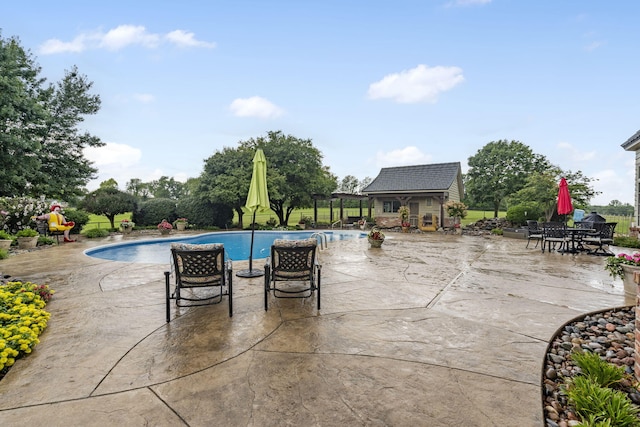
x: 236, y: 245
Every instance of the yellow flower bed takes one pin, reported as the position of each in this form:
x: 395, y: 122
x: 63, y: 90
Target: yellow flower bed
x: 22, y: 319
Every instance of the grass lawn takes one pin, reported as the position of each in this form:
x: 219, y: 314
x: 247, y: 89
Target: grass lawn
x: 101, y: 221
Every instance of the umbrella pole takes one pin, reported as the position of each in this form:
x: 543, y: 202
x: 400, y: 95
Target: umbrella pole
x: 251, y: 272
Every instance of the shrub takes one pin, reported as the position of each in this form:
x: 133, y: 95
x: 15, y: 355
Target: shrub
x: 602, y: 372
x: 204, y: 214
x: 5, y: 236
x: 44, y: 240
x: 519, y: 214
x: 96, y: 232
x: 79, y: 216
x: 27, y: 232
x: 152, y: 211
x: 22, y: 319
x: 626, y: 242
x: 4, y: 253
x: 16, y: 212
x: 598, y: 404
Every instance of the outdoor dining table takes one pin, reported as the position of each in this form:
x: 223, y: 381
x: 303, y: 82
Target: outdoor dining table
x: 575, y: 234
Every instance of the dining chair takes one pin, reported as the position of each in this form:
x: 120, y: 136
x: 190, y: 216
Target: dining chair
x: 534, y: 232
x: 554, y: 234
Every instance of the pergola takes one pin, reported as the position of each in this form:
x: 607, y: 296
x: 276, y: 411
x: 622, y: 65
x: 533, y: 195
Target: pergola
x: 341, y: 197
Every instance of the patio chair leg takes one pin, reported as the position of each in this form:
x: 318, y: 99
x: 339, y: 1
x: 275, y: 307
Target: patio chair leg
x: 167, y: 296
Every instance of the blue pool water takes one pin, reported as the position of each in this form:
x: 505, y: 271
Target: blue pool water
x: 236, y: 245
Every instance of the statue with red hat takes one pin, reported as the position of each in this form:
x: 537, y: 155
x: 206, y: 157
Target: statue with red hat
x: 57, y: 221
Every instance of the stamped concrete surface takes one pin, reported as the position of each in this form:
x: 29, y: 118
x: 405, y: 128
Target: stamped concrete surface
x: 429, y: 330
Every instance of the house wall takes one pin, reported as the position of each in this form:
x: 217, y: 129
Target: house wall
x: 426, y: 206
x: 636, y: 200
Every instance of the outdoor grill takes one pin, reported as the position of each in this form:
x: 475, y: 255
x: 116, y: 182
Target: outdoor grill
x: 593, y: 217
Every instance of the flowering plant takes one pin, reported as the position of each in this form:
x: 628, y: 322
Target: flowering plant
x: 375, y: 234
x: 125, y: 223
x: 456, y: 209
x: 403, y: 211
x: 614, y: 263
x: 180, y: 220
x: 165, y: 225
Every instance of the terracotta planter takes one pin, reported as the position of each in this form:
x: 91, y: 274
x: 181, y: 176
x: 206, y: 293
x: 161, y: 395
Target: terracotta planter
x: 5, y: 244
x: 27, y: 242
x: 180, y: 226
x: 375, y: 243
x: 630, y: 287
x: 405, y: 229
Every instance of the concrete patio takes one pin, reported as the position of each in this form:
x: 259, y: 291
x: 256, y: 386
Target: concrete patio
x: 429, y: 330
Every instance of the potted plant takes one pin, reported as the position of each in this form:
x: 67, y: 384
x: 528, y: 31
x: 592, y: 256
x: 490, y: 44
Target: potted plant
x: 624, y: 266
x: 126, y: 226
x: 457, y: 211
x: 181, y: 223
x: 403, y: 211
x: 165, y: 227
x: 27, y: 238
x: 304, y: 221
x: 5, y: 240
x: 375, y: 237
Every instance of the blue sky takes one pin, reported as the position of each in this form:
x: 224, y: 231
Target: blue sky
x: 372, y: 83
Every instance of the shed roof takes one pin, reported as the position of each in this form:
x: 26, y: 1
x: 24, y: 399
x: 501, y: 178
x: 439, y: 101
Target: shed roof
x: 434, y: 177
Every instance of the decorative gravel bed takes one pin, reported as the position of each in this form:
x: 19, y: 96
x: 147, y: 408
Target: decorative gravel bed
x: 609, y: 334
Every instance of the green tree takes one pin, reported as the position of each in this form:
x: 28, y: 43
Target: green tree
x: 166, y: 187
x: 138, y: 189
x: 542, y: 188
x: 41, y: 147
x: 22, y: 119
x: 500, y: 169
x: 109, y: 183
x: 64, y: 170
x: 349, y: 185
x: 294, y: 172
x: 226, y: 178
x: 109, y: 202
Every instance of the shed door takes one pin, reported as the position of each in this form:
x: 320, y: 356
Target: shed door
x: 414, y: 213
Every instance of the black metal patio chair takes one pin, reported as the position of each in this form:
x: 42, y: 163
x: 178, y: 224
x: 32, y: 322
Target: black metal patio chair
x: 295, y: 262
x: 601, y: 238
x: 534, y: 232
x: 554, y: 235
x: 202, y: 276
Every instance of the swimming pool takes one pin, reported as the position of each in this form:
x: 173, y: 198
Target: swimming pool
x: 236, y: 245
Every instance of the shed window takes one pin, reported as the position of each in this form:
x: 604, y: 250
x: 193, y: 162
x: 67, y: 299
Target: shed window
x: 390, y: 206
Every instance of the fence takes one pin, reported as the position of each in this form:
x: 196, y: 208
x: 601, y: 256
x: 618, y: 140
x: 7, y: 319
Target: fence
x: 624, y: 223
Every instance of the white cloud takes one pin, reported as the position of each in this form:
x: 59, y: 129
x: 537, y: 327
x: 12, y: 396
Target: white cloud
x: 127, y: 35
x: 576, y: 154
x: 593, y: 46
x: 255, y: 106
x: 402, y: 157
x: 113, y: 154
x: 612, y: 186
x: 121, y: 37
x: 187, y: 39
x: 463, y: 3
x: 419, y: 84
x: 144, y: 98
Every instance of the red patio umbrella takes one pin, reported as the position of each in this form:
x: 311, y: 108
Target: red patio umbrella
x: 564, y: 199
